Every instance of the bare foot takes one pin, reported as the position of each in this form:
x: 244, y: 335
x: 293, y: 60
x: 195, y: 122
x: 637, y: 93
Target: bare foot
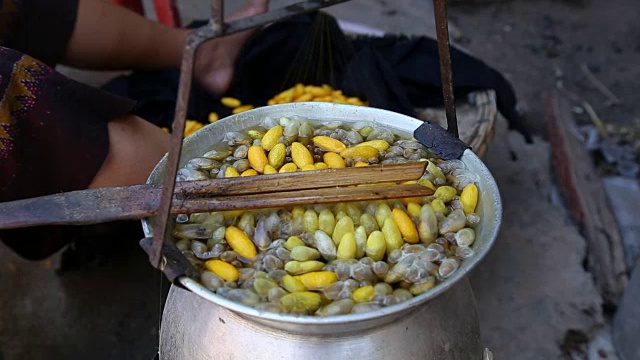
x: 215, y: 60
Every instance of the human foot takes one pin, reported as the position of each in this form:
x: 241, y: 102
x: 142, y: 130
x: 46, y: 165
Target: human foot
x: 215, y: 59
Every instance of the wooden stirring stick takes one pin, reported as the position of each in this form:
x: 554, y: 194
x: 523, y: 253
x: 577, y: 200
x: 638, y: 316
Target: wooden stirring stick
x: 266, y: 191
x: 302, y: 180
x: 300, y: 197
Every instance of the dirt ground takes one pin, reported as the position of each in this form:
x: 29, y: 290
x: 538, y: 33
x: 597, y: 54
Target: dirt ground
x: 533, y: 41
x: 110, y: 310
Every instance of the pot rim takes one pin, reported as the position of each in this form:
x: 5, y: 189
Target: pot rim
x: 391, y: 119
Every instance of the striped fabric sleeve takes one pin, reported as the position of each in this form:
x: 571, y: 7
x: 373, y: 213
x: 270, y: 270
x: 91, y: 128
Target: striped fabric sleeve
x: 53, y: 138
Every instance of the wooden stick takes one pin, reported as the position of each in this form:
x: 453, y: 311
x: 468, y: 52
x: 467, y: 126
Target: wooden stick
x: 595, y: 119
x: 82, y: 207
x: 586, y: 200
x: 137, y: 202
x: 612, y: 99
x: 140, y: 201
x: 300, y: 197
x: 301, y: 180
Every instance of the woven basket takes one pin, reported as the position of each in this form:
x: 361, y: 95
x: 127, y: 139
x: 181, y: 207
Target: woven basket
x: 476, y: 119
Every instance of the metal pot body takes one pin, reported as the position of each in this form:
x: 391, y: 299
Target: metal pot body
x: 440, y: 324
x: 445, y: 328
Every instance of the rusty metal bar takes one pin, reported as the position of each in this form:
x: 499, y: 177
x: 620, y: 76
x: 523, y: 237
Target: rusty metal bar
x: 217, y: 15
x: 215, y: 28
x: 446, y: 74
x: 194, y: 41
x: 160, y: 226
x: 279, y: 15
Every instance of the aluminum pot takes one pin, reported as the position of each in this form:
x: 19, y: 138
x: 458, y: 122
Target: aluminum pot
x: 439, y: 324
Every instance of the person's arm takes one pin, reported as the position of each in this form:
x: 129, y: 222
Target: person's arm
x: 109, y: 37
x: 99, y: 35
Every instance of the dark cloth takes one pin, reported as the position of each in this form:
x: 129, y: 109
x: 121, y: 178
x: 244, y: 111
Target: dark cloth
x: 39, y: 28
x: 53, y: 130
x: 53, y: 138
x: 396, y: 73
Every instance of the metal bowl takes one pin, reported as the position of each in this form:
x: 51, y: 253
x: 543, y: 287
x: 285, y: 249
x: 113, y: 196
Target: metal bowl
x: 489, y: 208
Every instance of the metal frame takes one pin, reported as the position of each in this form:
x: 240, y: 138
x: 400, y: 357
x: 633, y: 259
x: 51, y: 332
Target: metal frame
x: 158, y: 255
x: 162, y: 254
x: 446, y: 74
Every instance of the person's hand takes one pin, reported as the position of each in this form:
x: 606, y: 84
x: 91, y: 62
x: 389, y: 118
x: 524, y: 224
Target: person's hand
x: 215, y: 59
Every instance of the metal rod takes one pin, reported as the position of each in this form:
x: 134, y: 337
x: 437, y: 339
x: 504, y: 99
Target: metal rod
x: 186, y: 76
x: 446, y: 74
x: 217, y: 15
x: 160, y: 226
x: 215, y: 28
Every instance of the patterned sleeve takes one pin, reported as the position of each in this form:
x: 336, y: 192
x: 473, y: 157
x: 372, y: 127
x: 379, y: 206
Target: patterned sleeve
x: 40, y: 28
x: 53, y: 138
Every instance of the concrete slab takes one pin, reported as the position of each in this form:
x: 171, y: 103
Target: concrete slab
x: 532, y: 287
x: 626, y: 326
x: 109, y: 311
x: 624, y: 198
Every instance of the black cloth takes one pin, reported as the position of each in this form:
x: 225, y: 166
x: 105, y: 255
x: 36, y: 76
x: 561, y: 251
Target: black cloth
x: 396, y: 73
x: 39, y: 28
